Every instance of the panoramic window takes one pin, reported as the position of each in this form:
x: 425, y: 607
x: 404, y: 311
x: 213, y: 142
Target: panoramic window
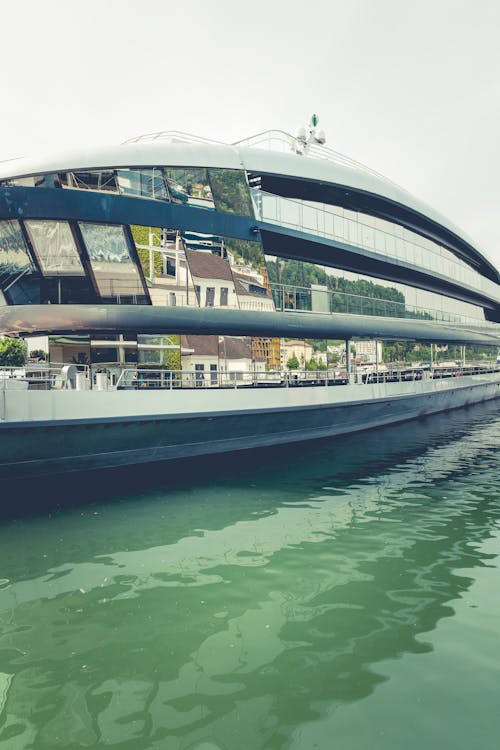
x: 55, y: 247
x: 13, y: 253
x: 189, y: 185
x: 298, y: 285
x: 94, y: 179
x: 115, y: 272
x: 230, y: 191
x: 148, y: 183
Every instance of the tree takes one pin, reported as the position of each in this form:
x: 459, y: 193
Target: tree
x: 293, y: 363
x: 12, y: 352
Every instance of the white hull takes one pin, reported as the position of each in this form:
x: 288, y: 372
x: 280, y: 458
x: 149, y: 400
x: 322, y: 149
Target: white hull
x: 45, y: 432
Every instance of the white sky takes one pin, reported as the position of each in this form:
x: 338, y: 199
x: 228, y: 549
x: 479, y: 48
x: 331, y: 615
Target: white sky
x: 411, y: 89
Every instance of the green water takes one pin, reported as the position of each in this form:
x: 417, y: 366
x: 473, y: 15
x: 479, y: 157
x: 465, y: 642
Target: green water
x: 344, y: 594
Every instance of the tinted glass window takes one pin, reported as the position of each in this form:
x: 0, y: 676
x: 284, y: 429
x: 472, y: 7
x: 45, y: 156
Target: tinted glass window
x: 189, y: 185
x: 230, y: 191
x: 55, y: 247
x: 109, y: 252
x: 13, y: 253
x: 148, y: 183
x: 95, y: 179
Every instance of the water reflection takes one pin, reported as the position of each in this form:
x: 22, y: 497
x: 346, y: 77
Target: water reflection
x: 240, y: 609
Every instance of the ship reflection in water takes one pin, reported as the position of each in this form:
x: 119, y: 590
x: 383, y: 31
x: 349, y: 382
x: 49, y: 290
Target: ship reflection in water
x: 339, y: 594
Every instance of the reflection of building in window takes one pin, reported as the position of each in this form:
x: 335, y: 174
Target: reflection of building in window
x: 367, y: 350
x: 267, y: 350
x: 301, y: 350
x: 165, y: 266
x: 252, y: 293
x: 229, y: 358
x: 209, y: 296
x: 200, y: 353
x: 212, y: 278
x: 235, y: 357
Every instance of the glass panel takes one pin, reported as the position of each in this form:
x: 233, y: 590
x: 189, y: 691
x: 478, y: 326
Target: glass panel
x: 13, y: 253
x: 199, y: 353
x: 212, y: 273
x: 230, y: 191
x: 148, y: 183
x: 115, y: 272
x: 161, y: 351
x: 190, y: 186
x: 95, y: 179
x: 364, y: 231
x: 163, y: 260
x: 250, y: 274
x: 55, y: 247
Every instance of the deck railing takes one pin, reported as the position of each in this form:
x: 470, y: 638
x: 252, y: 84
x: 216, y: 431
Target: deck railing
x: 84, y: 377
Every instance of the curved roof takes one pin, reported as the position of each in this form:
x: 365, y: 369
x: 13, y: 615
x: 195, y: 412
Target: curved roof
x: 260, y: 161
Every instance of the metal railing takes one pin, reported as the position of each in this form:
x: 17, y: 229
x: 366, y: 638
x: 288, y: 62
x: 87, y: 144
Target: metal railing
x: 141, y: 379
x: 304, y: 299
x: 84, y: 377
x: 330, y: 222
x: 43, y: 376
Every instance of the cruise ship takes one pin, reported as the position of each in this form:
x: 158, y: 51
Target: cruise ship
x: 173, y: 296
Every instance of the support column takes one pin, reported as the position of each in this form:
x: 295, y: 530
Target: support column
x: 151, y: 257
x: 376, y: 358
x: 348, y: 359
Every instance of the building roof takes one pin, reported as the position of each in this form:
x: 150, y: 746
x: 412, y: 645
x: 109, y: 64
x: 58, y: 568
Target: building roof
x: 235, y: 348
x: 228, y: 347
x: 296, y: 343
x: 241, y: 280
x: 205, y: 346
x: 205, y: 265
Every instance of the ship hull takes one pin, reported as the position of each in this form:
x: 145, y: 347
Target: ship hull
x: 51, y: 433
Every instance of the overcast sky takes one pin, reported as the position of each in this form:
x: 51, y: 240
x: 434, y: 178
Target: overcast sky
x: 412, y: 89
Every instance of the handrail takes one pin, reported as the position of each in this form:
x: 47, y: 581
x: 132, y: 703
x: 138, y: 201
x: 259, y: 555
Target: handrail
x: 433, y: 256
x: 96, y: 377
x: 262, y: 140
x: 289, y: 297
x: 174, y: 136
x: 267, y: 137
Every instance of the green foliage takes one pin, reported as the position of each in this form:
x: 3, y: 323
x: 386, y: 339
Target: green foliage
x: 141, y: 237
x: 230, y: 191
x: 38, y: 354
x: 12, y: 352
x: 314, y: 365
x: 168, y: 359
x: 360, y: 297
x: 250, y: 252
x: 293, y: 363
x: 318, y: 345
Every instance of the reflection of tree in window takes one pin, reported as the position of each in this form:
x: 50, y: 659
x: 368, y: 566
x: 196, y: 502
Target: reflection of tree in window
x: 230, y: 191
x: 249, y: 252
